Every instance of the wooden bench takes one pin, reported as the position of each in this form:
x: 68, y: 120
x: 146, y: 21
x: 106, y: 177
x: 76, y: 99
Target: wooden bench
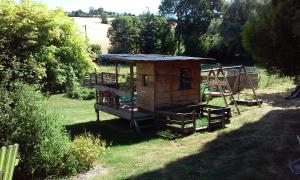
x: 180, y: 122
x: 183, y: 119
x: 8, y: 161
x: 215, y: 111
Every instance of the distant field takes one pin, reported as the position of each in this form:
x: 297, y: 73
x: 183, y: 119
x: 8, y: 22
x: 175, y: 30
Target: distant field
x: 96, y: 32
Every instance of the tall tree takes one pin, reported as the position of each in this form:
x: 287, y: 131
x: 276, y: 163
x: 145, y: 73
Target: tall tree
x: 193, y: 18
x: 124, y: 34
x: 273, y: 39
x: 103, y: 17
x: 146, y: 33
x: 156, y: 35
x: 236, y: 14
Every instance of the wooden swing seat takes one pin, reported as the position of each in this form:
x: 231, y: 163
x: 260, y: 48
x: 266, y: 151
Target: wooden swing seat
x: 217, y: 94
x: 248, y: 102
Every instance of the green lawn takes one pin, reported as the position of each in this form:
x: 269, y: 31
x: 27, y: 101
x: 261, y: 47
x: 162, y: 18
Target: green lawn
x: 74, y: 111
x: 258, y: 144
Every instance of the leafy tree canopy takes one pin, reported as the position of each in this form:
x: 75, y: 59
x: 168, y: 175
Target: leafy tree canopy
x: 124, y: 34
x: 235, y: 16
x: 193, y: 18
x: 273, y: 38
x: 156, y: 35
x: 104, y: 19
x: 40, y: 46
x: 146, y: 33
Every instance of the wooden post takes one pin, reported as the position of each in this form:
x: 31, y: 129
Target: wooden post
x: 182, y: 119
x: 97, y: 93
x: 208, y: 119
x: 101, y: 93
x: 220, y: 87
x: 247, y: 75
x: 238, y: 80
x: 171, y: 78
x: 117, y: 98
x: 117, y: 77
x: 201, y: 111
x: 98, y: 115
x: 223, y: 119
x: 131, y: 95
x: 199, y: 99
x: 194, y: 120
x: 207, y: 81
x: 97, y: 96
x: 156, y: 116
x: 90, y: 80
x: 132, y: 120
x: 96, y: 78
x: 229, y: 88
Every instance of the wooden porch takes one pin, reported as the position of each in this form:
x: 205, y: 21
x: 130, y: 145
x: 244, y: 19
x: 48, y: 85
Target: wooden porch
x: 124, y: 112
x: 120, y: 98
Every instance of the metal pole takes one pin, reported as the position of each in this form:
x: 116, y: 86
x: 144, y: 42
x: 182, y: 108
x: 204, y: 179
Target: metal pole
x: 85, y: 32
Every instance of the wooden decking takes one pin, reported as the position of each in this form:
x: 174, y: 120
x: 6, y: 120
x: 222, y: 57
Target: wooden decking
x: 124, y: 112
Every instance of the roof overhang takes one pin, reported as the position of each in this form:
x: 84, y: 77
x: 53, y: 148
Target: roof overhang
x: 131, y: 58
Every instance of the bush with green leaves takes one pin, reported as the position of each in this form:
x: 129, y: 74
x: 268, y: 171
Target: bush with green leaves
x: 40, y: 46
x: 86, y: 149
x: 45, y: 146
x: 82, y: 93
x: 42, y: 139
x: 104, y: 19
x: 96, y: 48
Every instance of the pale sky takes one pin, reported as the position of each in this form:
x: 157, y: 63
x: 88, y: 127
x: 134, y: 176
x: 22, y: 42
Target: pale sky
x: 129, y: 6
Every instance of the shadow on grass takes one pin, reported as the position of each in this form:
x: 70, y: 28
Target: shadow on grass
x: 118, y: 132
x: 259, y: 150
x: 278, y: 100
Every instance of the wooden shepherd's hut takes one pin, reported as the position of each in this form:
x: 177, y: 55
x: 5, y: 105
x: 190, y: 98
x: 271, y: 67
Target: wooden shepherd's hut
x: 154, y: 82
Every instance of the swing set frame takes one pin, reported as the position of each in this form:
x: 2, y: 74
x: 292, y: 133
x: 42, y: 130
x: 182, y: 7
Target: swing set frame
x: 213, y: 80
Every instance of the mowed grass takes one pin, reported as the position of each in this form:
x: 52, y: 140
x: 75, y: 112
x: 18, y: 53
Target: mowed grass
x: 74, y: 111
x: 258, y: 144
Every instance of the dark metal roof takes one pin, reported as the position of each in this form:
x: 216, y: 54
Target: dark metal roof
x: 150, y: 57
